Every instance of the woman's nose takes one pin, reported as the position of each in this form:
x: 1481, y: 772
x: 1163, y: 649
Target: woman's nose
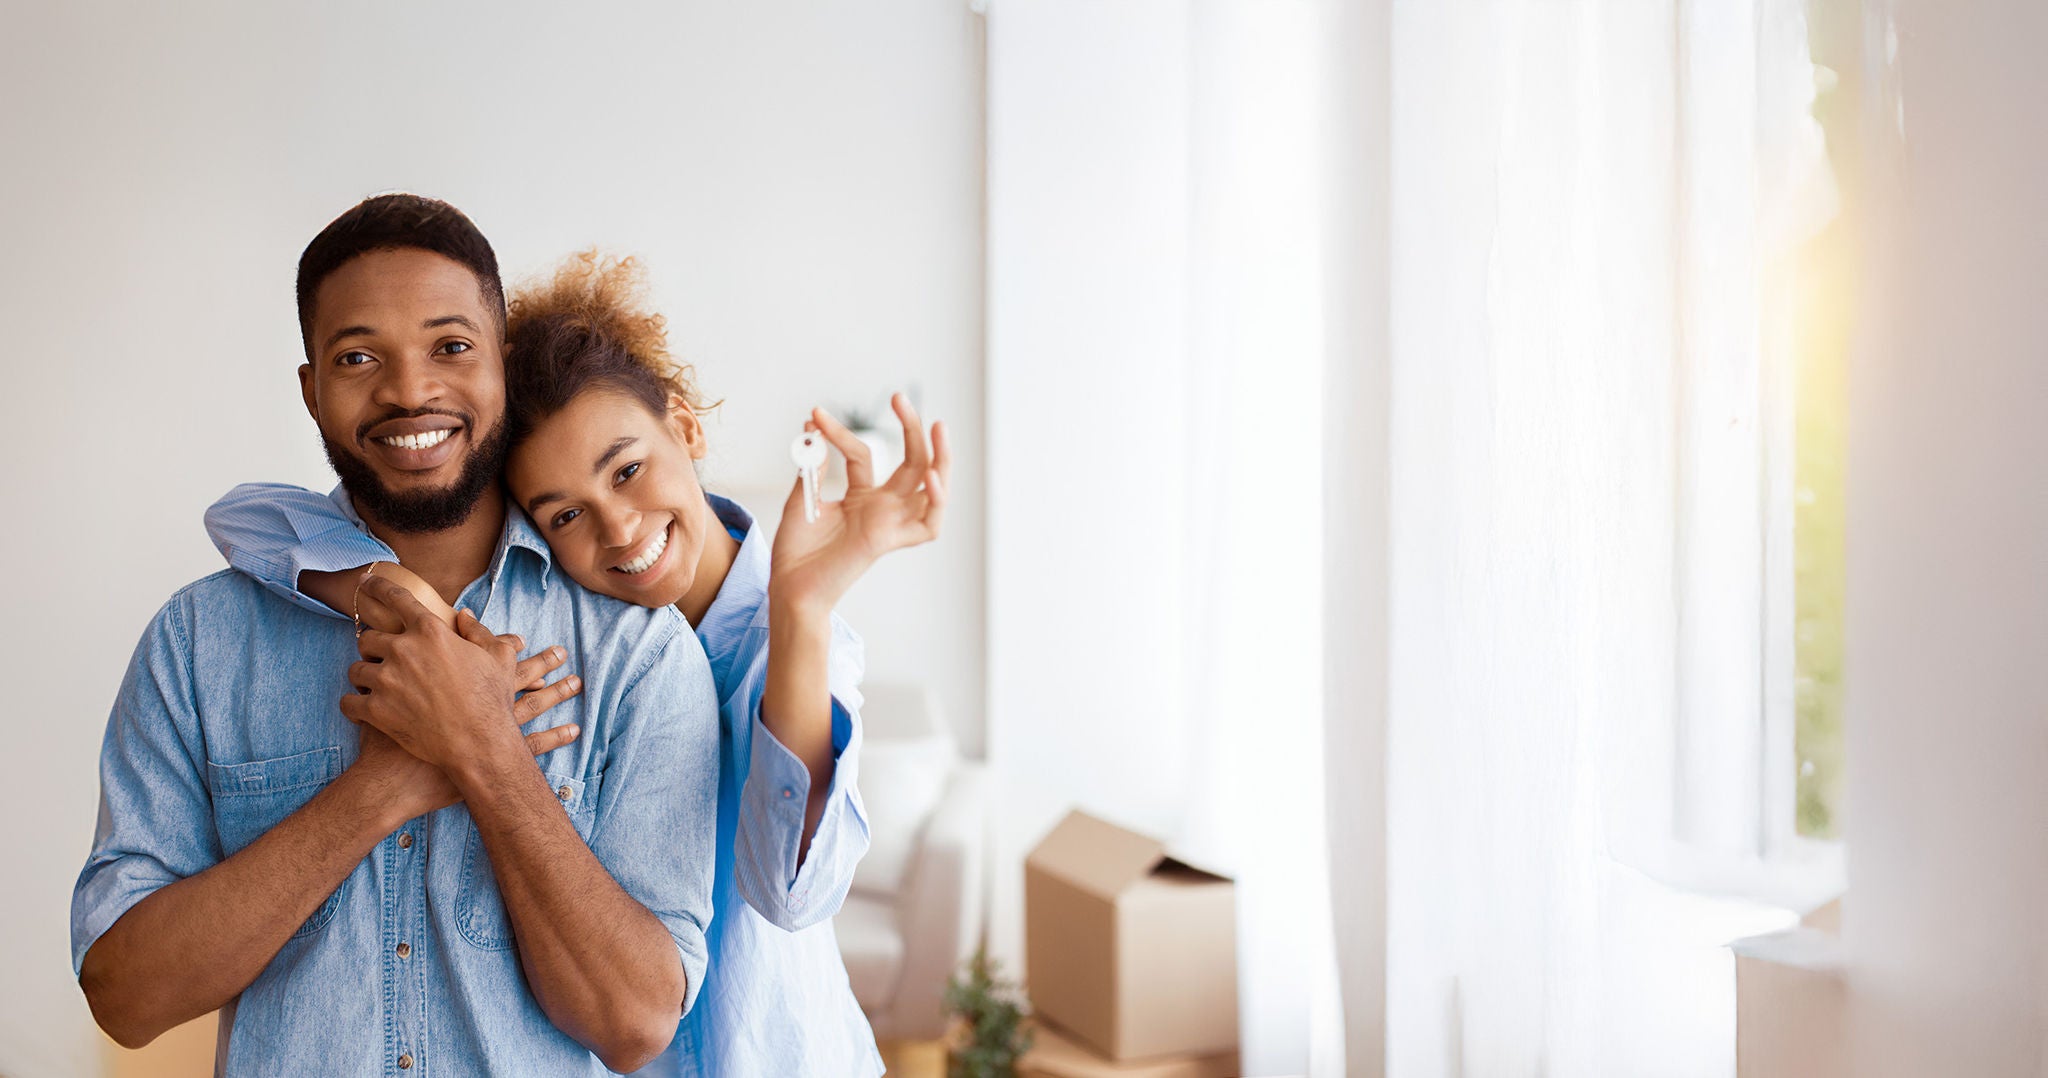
x: 620, y: 526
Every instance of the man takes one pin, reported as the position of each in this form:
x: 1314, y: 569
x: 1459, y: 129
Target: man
x: 352, y: 905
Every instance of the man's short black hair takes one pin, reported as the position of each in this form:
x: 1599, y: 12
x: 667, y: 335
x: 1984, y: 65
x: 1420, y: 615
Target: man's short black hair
x: 391, y: 222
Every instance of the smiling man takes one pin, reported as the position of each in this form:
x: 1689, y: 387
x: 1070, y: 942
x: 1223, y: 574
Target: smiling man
x: 358, y: 907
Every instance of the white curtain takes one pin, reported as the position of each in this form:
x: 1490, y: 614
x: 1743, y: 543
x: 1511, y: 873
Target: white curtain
x: 1155, y: 463
x: 1579, y: 233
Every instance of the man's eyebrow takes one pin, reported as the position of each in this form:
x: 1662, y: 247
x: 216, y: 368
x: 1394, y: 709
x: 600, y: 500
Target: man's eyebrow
x: 348, y: 331
x: 431, y: 323
x: 533, y: 504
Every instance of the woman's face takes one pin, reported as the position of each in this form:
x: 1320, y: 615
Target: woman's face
x: 613, y: 489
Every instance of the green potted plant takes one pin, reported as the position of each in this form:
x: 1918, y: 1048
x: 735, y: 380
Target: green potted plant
x: 990, y: 1035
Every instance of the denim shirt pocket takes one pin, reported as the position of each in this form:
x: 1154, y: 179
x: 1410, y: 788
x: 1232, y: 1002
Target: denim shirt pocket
x: 479, y: 909
x: 251, y: 798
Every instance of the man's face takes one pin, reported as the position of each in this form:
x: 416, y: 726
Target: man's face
x: 407, y: 383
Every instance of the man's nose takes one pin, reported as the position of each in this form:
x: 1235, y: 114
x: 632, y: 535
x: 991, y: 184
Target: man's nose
x: 409, y: 384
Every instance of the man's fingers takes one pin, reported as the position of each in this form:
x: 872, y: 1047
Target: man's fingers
x: 393, y: 596
x: 472, y: 630
x: 541, y: 742
x: 355, y: 708
x: 364, y: 675
x: 373, y: 645
x: 530, y: 706
x: 534, y: 669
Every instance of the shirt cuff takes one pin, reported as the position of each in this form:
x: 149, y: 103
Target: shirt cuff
x: 770, y: 833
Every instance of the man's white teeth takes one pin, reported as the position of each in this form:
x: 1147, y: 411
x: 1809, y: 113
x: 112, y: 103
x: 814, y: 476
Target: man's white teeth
x: 647, y: 557
x: 425, y: 440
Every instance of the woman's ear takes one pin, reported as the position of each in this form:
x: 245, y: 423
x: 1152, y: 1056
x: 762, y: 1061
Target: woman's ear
x: 688, y: 428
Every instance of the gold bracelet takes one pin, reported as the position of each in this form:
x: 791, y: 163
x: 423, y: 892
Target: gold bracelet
x: 355, y: 599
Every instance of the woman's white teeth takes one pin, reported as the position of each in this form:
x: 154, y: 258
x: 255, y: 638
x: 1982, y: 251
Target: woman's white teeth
x: 423, y: 440
x: 648, y: 556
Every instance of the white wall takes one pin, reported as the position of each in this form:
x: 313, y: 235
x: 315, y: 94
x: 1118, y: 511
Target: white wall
x: 1947, y: 663
x: 805, y: 181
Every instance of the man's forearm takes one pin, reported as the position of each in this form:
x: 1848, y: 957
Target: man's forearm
x: 195, y: 944
x: 602, y: 967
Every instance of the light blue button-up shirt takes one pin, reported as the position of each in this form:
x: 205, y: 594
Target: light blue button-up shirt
x: 777, y: 1000
x: 226, y: 724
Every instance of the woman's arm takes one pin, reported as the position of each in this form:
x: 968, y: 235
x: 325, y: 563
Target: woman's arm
x: 300, y: 544
x: 816, y: 561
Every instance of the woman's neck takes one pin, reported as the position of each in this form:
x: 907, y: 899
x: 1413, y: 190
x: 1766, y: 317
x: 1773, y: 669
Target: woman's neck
x: 713, y: 563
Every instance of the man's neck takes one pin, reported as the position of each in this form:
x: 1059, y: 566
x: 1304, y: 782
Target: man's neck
x: 448, y: 560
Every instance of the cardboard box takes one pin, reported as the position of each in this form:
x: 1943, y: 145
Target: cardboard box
x: 1055, y: 1054
x: 1130, y: 951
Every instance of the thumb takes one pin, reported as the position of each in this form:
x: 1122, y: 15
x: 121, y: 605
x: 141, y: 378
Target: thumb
x: 473, y: 630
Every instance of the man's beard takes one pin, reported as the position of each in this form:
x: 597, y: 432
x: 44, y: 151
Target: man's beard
x: 425, y: 510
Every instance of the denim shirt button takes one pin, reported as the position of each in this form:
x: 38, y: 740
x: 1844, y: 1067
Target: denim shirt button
x: 787, y: 793
x: 564, y: 793
x: 405, y: 1061
x: 404, y: 950
x: 405, y: 840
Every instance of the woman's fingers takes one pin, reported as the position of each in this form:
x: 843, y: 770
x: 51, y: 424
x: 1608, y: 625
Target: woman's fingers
x: 935, y: 504
x: 533, y: 671
x: 542, y: 742
x: 860, y: 465
x: 532, y: 704
x: 942, y: 452
x: 917, y: 455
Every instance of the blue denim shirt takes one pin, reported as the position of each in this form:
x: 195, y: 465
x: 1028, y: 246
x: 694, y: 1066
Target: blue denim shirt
x: 227, y: 723
x: 777, y: 1000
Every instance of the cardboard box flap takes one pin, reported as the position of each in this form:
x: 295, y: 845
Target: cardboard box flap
x: 1095, y: 855
x: 1175, y: 868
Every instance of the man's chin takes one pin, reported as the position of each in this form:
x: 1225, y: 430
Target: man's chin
x: 411, y: 503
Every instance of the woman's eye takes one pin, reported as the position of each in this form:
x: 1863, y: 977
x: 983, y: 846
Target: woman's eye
x: 456, y: 348
x: 566, y: 515
x: 628, y: 472
x: 352, y: 359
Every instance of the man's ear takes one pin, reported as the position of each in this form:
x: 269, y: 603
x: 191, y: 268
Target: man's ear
x: 306, y: 390
x: 688, y: 428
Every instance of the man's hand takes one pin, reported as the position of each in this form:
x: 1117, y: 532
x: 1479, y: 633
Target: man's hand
x: 815, y: 562
x: 412, y: 787
x: 446, y: 696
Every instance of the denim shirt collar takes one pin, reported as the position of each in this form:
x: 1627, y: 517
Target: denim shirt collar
x: 742, y: 600
x: 518, y: 534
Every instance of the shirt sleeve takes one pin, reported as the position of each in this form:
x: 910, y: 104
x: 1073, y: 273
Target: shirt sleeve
x: 795, y: 895
x: 657, y: 815
x: 156, y: 824
x: 275, y: 531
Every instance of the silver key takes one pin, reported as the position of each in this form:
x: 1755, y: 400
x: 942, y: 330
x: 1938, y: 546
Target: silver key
x: 808, y: 451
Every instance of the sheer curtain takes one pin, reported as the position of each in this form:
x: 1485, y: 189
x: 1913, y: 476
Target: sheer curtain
x: 1576, y: 524
x: 1156, y: 461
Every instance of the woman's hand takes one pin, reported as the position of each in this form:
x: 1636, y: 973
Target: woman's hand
x: 815, y: 562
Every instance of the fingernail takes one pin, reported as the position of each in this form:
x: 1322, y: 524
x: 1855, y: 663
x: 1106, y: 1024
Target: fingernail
x: 575, y: 683
x: 558, y: 653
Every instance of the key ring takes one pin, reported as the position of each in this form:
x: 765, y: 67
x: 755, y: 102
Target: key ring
x: 355, y: 599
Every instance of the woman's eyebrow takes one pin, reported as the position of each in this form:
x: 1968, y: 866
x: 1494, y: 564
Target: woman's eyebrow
x: 611, y: 452
x: 533, y: 506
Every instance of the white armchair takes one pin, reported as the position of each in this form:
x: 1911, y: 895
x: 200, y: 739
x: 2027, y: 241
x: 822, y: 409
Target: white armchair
x: 915, y: 911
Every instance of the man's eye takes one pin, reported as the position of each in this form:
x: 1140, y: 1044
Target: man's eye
x: 628, y: 472
x: 565, y: 516
x: 352, y: 359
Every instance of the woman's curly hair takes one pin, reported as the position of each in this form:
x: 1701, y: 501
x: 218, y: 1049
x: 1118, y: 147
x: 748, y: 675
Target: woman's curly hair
x: 584, y: 327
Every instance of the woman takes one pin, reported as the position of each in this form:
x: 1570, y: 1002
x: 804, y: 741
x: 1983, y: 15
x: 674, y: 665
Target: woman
x: 605, y: 431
